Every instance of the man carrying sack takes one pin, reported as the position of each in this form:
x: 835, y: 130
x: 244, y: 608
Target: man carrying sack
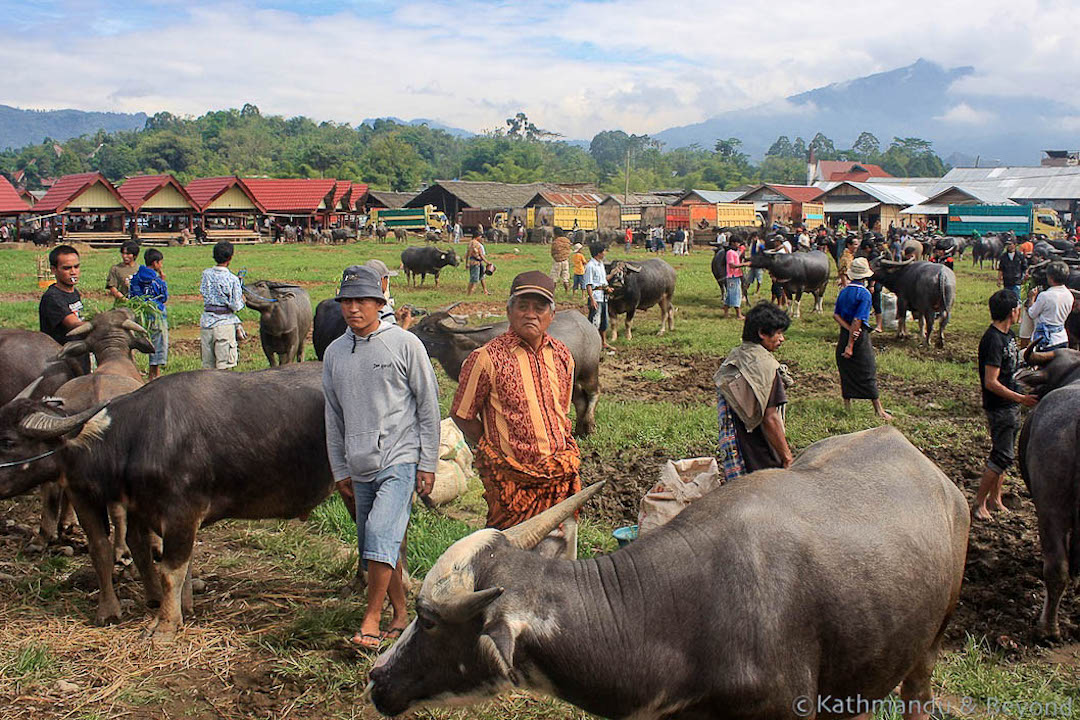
x: 512, y: 404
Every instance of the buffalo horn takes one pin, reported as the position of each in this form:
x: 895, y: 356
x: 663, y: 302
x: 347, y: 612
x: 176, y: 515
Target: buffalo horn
x: 1040, y: 357
x: 132, y: 326
x: 80, y: 330
x: 73, y: 349
x: 46, y: 425
x: 28, y: 391
x: 465, y: 606
x: 527, y: 534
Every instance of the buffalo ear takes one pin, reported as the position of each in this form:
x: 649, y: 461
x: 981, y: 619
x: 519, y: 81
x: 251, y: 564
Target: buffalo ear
x: 497, y: 643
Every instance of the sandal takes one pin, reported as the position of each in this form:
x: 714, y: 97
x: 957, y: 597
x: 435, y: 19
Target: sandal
x: 367, y: 641
x: 393, y: 633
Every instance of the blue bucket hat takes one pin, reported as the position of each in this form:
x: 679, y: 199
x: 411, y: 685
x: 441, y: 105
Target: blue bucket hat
x: 360, y: 281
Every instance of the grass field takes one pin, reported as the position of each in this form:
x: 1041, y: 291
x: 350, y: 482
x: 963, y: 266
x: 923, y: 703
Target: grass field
x: 266, y: 639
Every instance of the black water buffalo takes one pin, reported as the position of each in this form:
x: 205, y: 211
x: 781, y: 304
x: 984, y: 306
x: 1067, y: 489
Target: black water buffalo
x: 989, y: 248
x: 39, y: 236
x: 342, y: 235
x: 284, y: 319
x: 329, y: 325
x: 182, y: 452
x: 1043, y: 250
x: 1048, y: 463
x: 798, y: 272
x: 424, y: 261
x: 450, y: 342
x: 639, y: 286
x: 927, y: 289
x: 26, y: 355
x: 753, y: 586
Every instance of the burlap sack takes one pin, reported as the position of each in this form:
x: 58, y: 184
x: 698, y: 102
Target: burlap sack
x: 681, y: 483
x: 455, y: 465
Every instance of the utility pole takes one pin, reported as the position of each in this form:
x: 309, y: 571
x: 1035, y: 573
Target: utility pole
x: 626, y: 192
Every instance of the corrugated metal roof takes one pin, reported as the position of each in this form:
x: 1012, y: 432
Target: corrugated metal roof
x: 927, y: 209
x: 10, y: 202
x: 568, y: 199
x: 1023, y: 184
x: 205, y: 190
x: 138, y: 189
x: 302, y: 196
x: 847, y: 206
x: 713, y: 196
x: 642, y: 198
x: 888, y: 194
x: 841, y: 170
x: 69, y: 187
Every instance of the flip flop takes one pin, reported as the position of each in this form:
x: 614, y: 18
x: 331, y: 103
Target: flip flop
x: 367, y: 641
x: 393, y: 633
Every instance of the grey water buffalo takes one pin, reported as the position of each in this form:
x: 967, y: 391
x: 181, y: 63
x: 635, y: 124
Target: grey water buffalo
x: 160, y: 451
x: 284, y: 319
x: 798, y: 272
x: 342, y: 235
x: 450, y: 342
x: 989, y: 248
x: 26, y: 355
x: 544, y: 235
x: 1048, y: 463
x: 927, y: 289
x: 638, y: 286
x: 742, y: 606
x: 401, y: 234
x: 424, y: 261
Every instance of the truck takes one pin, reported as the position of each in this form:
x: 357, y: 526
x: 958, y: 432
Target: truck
x: 472, y: 218
x: 417, y: 219
x: 565, y: 217
x: 1020, y: 219
x: 809, y: 214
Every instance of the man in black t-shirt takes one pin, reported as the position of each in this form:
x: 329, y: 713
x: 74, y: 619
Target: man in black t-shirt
x: 60, y: 309
x: 998, y: 361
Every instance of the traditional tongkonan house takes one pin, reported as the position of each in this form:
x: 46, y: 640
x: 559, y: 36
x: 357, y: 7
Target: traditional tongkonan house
x: 11, y: 207
x: 227, y: 208
x: 84, y: 208
x: 297, y: 202
x: 161, y: 207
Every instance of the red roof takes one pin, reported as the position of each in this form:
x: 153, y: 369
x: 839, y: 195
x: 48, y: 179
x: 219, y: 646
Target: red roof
x: 140, y: 188
x: 70, y: 187
x: 10, y: 202
x: 342, y: 187
x: 796, y: 193
x: 300, y: 196
x: 841, y: 170
x: 571, y: 199
x: 204, y: 191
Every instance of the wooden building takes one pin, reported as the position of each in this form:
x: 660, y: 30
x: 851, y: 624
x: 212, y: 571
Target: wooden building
x: 563, y: 209
x: 634, y: 210
x: 453, y: 196
x: 84, y: 207
x: 227, y: 208
x: 871, y: 204
x: 12, y: 206
x: 762, y: 195
x: 382, y: 199
x: 300, y: 202
x: 161, y: 207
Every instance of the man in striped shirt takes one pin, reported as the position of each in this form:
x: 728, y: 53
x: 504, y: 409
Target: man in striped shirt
x: 512, y: 404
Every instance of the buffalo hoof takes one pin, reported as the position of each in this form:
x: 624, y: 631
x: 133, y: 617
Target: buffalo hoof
x: 1047, y: 633
x: 108, y: 614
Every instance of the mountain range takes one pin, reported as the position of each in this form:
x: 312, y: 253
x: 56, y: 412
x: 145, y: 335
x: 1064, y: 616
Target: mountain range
x: 920, y: 100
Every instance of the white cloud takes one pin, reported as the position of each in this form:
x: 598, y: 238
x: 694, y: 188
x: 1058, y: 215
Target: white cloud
x: 964, y: 114
x: 575, y: 68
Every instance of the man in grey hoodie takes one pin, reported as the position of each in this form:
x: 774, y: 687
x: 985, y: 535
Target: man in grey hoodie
x: 382, y: 436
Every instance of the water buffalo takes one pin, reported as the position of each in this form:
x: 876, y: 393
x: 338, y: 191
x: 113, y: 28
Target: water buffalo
x: 1047, y: 458
x: 742, y: 606
x: 424, y: 261
x: 162, y: 451
x: 342, y: 235
x: 39, y: 236
x: 927, y: 289
x: 401, y: 234
x: 986, y: 248
x: 798, y: 272
x: 450, y: 343
x: 544, y: 235
x: 639, y: 286
x: 329, y: 325
x: 284, y: 319
x: 26, y: 355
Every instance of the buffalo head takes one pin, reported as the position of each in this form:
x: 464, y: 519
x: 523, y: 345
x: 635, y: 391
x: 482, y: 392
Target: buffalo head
x: 264, y: 295
x: 448, y: 257
x: 461, y: 644
x: 1049, y: 370
x: 619, y: 271
x: 114, y: 330
x: 32, y: 431
x: 448, y: 339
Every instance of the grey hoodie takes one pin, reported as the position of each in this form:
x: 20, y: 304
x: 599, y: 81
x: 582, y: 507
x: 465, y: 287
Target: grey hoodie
x: 382, y: 403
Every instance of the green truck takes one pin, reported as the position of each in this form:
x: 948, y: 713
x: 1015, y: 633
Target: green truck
x: 417, y: 219
x: 1020, y: 219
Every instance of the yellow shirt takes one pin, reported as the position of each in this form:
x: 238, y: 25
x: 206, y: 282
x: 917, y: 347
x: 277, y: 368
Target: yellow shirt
x: 577, y: 263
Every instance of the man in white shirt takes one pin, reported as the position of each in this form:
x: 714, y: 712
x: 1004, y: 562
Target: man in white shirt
x: 596, y: 282
x: 1050, y: 309
x: 804, y: 240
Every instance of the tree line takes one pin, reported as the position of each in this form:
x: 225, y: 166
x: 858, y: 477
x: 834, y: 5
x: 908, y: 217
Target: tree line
x: 391, y: 156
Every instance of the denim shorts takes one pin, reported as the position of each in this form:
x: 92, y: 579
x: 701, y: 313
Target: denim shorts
x: 579, y: 282
x: 1004, y: 423
x: 599, y: 316
x: 475, y: 273
x: 383, y: 506
x: 159, y: 336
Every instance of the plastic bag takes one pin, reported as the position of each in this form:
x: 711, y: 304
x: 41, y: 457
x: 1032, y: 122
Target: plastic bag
x: 454, y: 468
x: 681, y: 483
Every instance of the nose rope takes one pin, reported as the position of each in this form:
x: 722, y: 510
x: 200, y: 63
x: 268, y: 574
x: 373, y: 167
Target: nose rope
x: 27, y: 461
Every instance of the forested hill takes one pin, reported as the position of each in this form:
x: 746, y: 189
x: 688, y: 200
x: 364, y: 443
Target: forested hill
x: 389, y: 155
x: 20, y: 127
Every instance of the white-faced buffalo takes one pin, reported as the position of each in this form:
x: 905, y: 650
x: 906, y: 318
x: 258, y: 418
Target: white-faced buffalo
x: 424, y: 261
x: 284, y: 319
x: 926, y: 289
x: 639, y: 286
x: 184, y: 451
x: 799, y: 272
x: 787, y: 584
x: 989, y: 248
x: 1049, y: 442
x: 450, y: 342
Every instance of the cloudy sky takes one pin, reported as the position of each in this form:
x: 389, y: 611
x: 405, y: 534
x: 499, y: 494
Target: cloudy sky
x: 577, y: 68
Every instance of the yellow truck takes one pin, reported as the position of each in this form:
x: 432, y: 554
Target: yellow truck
x: 562, y: 216
x: 416, y: 219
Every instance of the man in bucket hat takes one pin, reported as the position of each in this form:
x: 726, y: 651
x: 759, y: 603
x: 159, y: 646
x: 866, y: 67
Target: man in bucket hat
x: 512, y: 404
x: 382, y: 436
